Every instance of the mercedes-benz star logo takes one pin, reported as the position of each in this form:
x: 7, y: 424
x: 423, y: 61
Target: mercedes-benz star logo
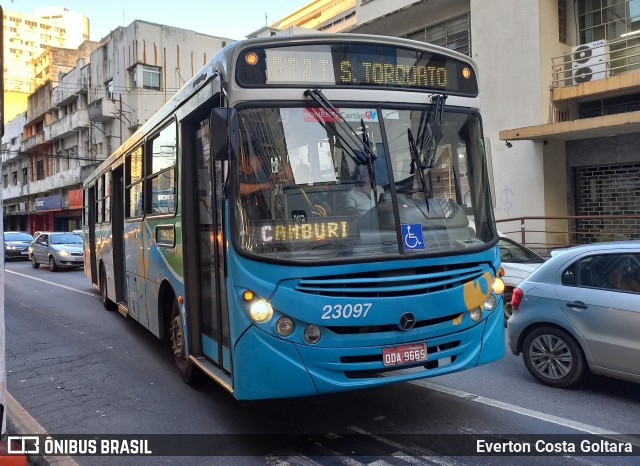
x: 407, y: 321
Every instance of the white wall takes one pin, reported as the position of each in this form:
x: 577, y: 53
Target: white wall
x: 506, y: 46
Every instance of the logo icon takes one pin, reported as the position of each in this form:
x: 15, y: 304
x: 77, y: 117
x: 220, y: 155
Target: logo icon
x: 412, y: 236
x: 23, y: 444
x: 407, y: 321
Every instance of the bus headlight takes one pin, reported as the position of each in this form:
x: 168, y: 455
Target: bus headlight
x: 285, y: 326
x: 261, y: 311
x: 498, y: 286
x: 491, y: 302
x: 312, y: 334
x: 475, y: 314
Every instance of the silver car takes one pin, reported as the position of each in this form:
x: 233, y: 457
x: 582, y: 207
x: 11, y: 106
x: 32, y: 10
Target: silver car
x: 517, y: 262
x: 580, y: 312
x: 57, y: 250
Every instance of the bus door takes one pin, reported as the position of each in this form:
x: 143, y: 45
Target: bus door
x: 214, y: 317
x: 134, y: 244
x: 117, y: 231
x: 90, y: 220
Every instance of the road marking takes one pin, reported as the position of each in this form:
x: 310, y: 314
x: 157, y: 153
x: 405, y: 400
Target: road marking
x: 52, y: 283
x: 589, y: 429
x: 414, y: 451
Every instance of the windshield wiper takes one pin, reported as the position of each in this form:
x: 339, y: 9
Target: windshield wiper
x: 423, y: 148
x: 430, y: 133
x: 362, y: 146
x: 417, y: 162
x: 363, y: 152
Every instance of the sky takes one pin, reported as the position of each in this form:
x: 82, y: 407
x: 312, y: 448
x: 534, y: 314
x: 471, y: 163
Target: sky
x: 232, y: 19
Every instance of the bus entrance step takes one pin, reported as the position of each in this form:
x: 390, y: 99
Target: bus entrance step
x: 123, y: 309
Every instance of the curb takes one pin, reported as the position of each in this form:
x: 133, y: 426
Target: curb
x: 20, y: 422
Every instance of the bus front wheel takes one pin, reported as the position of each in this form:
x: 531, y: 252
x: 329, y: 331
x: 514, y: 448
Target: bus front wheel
x: 183, y: 364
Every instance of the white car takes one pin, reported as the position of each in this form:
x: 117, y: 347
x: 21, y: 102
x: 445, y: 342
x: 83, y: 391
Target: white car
x: 517, y: 262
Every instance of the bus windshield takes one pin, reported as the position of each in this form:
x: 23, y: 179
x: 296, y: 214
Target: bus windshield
x: 311, y: 185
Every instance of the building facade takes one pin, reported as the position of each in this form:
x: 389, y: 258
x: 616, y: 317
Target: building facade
x: 26, y: 37
x: 80, y: 113
x: 135, y: 72
x: 563, y: 137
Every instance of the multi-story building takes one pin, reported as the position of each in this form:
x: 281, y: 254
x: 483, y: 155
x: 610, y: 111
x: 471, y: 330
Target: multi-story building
x: 322, y: 15
x: 135, y: 72
x: 559, y: 83
x: 81, y: 113
x: 26, y: 36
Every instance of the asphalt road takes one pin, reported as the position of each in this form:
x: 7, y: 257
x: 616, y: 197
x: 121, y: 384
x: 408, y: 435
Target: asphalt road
x: 78, y: 369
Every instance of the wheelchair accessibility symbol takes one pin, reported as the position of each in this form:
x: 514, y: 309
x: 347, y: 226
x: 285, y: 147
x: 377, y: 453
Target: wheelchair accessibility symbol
x: 412, y: 236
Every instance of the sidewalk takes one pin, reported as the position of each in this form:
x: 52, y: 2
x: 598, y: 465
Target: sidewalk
x: 20, y: 422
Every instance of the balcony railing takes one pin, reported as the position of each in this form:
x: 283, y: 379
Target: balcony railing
x: 68, y: 124
x: 33, y: 141
x: 102, y: 110
x: 544, y: 234
x: 609, y: 59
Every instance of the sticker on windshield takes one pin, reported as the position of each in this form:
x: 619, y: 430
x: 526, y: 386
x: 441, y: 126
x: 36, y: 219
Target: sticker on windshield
x: 412, y: 236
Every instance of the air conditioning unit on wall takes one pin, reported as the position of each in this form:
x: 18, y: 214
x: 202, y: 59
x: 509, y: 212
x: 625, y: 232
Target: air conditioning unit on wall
x: 590, y: 62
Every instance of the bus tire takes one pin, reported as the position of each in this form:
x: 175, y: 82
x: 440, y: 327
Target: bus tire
x: 106, y: 302
x: 177, y: 341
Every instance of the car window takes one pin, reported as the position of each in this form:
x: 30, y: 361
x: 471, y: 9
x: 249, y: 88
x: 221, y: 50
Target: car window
x: 619, y: 272
x: 67, y: 238
x: 568, y: 277
x: 42, y: 239
x: 515, y: 252
x: 623, y: 272
x: 18, y: 237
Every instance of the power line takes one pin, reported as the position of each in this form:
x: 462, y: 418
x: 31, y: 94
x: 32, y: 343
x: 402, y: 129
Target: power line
x: 59, y: 156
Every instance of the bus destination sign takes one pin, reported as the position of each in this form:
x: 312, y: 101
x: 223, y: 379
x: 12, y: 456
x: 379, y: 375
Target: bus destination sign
x: 349, y: 65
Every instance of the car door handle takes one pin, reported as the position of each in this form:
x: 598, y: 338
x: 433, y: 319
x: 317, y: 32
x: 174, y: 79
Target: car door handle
x: 578, y: 304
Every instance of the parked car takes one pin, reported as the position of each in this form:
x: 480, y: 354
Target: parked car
x: 517, y: 262
x: 16, y: 244
x: 579, y: 312
x: 59, y: 250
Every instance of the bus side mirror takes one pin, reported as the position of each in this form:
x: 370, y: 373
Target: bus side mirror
x: 224, y: 133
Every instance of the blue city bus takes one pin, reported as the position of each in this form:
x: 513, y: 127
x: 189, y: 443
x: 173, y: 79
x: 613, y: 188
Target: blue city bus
x: 308, y: 214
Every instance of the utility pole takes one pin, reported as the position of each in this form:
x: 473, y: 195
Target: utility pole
x: 120, y: 114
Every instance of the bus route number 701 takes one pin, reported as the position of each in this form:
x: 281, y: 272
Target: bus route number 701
x: 346, y: 311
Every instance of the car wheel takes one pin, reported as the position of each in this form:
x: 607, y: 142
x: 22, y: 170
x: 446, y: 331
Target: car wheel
x: 106, y: 302
x: 52, y: 264
x: 183, y: 364
x: 553, y: 357
x: 34, y: 262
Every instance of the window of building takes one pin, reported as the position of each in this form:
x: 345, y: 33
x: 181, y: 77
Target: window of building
x: 608, y: 20
x: 25, y: 175
x: 109, y: 87
x: 162, y: 176
x: 562, y: 21
x: 5, y: 181
x: 133, y: 82
x: 150, y: 77
x: 14, y: 178
x: 454, y: 34
x: 40, y: 170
